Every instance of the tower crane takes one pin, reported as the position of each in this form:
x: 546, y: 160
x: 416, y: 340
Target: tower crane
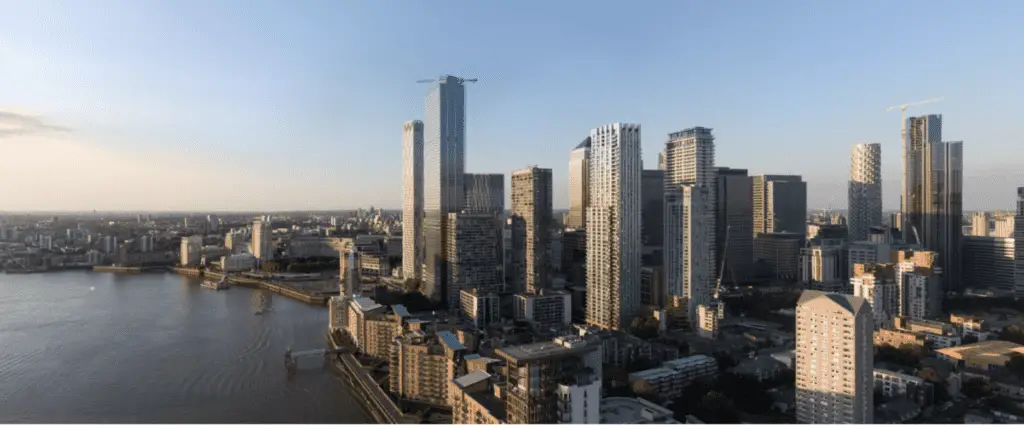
x: 903, y: 107
x: 461, y: 80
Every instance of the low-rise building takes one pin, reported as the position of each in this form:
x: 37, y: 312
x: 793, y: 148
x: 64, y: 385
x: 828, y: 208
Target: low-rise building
x: 895, y: 384
x: 898, y: 337
x: 237, y: 262
x: 625, y: 410
x: 669, y: 379
x: 480, y: 307
x: 549, y: 309
x: 983, y: 356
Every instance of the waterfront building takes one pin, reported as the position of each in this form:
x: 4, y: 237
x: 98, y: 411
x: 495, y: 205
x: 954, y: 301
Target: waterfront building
x: 412, y: 199
x: 262, y: 248
x: 613, y: 226
x: 444, y: 146
x: 865, y: 191
x: 191, y: 250
x: 834, y: 359
x: 579, y: 179
x: 423, y: 364
x: 557, y: 381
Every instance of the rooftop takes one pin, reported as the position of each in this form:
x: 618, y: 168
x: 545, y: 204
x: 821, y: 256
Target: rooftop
x: 544, y: 349
x: 365, y: 304
x: 450, y: 340
x: 471, y: 378
x: 991, y: 352
x: 818, y: 299
x: 624, y: 410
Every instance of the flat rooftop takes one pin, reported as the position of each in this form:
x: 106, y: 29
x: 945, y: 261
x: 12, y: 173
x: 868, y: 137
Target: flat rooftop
x: 991, y: 352
x: 624, y: 410
x: 539, y: 350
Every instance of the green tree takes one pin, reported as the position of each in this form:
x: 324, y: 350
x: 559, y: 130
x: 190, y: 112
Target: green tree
x: 977, y: 388
x: 644, y: 327
x: 1012, y: 333
x: 1016, y: 365
x: 644, y: 388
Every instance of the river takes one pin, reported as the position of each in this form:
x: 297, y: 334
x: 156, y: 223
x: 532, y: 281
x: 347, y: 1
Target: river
x: 80, y: 347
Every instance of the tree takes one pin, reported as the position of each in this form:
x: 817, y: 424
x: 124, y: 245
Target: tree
x: 411, y: 285
x: 644, y: 327
x: 1016, y: 365
x: 968, y: 339
x: 1012, y: 333
x: 977, y: 388
x: 644, y: 388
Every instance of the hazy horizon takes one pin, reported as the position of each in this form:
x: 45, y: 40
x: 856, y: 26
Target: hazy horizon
x: 264, y: 106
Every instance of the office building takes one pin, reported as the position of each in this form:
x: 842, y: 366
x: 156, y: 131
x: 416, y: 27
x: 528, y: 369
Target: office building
x: 613, y: 226
x: 444, y: 146
x: 778, y: 255
x: 866, y: 253
x: 533, y: 217
x: 687, y: 249
x: 579, y: 179
x: 548, y: 309
x: 932, y: 202
x: 472, y: 263
x: 834, y: 359
x: 485, y: 194
x: 877, y: 284
x: 734, y: 213
x: 480, y: 307
x: 412, y: 199
x: 574, y: 255
x: 689, y: 220
x: 1018, y: 235
x: 780, y: 204
x: 557, y: 381
x: 989, y: 262
x: 865, y: 192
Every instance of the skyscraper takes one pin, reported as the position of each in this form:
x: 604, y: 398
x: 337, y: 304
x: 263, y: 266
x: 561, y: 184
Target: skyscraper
x: 690, y: 203
x: 1018, y: 235
x: 932, y: 203
x: 531, y: 206
x: 579, y: 194
x: 652, y: 211
x: 412, y: 199
x: 444, y: 145
x: 865, y: 192
x: 687, y: 248
x: 485, y: 194
x: 780, y: 204
x: 261, y: 246
x: 735, y: 212
x: 613, y: 226
x: 834, y: 359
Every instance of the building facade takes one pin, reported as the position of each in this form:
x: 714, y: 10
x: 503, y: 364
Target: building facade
x: 472, y: 263
x: 989, y: 262
x: 485, y: 194
x: 1018, y: 235
x: 865, y: 191
x: 780, y: 204
x: 548, y: 382
x: 444, y: 147
x: 613, y: 226
x: 834, y: 364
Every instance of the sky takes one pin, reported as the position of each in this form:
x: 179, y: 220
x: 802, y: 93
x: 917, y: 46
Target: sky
x: 290, y: 105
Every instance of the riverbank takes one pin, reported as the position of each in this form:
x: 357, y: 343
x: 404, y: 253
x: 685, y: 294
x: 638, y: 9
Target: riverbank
x: 128, y: 269
x: 375, y: 402
x: 279, y: 288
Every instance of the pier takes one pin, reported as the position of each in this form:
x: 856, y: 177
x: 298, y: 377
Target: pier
x: 291, y: 358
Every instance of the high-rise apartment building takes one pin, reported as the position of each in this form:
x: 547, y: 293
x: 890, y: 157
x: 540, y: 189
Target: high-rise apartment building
x: 613, y: 226
x: 780, y: 204
x: 920, y: 284
x: 261, y: 246
x: 485, y: 194
x: 979, y: 223
x: 687, y: 249
x: 734, y: 212
x: 652, y: 212
x: 1018, y: 235
x: 1004, y: 226
x: 556, y: 381
x: 412, y: 199
x: 989, y: 262
x: 822, y: 266
x: 472, y: 261
x: 533, y: 217
x: 865, y: 191
x: 834, y: 359
x: 932, y: 202
x: 191, y: 250
x: 579, y: 179
x: 690, y: 204
x: 444, y: 146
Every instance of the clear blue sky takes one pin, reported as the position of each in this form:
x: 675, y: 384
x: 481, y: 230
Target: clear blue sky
x: 282, y: 104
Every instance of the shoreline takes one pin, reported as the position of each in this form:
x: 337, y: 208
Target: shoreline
x: 316, y: 300
x: 372, y: 399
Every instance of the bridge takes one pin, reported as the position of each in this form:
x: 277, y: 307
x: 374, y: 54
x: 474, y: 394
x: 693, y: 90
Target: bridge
x: 291, y: 358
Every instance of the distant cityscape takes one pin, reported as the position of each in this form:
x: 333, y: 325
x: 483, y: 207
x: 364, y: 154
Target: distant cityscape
x: 688, y: 293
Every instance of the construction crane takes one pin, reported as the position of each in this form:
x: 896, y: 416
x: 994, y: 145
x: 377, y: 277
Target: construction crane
x: 721, y: 269
x: 434, y: 80
x: 903, y: 107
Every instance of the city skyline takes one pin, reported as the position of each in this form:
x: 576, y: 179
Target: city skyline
x: 112, y: 109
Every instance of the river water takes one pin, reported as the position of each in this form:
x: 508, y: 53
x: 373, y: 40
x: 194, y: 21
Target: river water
x: 80, y: 346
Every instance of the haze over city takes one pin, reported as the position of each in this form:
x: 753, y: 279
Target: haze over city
x: 275, y: 105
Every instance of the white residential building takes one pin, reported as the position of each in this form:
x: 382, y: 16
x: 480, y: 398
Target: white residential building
x: 412, y: 198
x: 613, y: 226
x: 834, y: 359
x: 191, y: 250
x: 877, y: 284
x: 865, y: 192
